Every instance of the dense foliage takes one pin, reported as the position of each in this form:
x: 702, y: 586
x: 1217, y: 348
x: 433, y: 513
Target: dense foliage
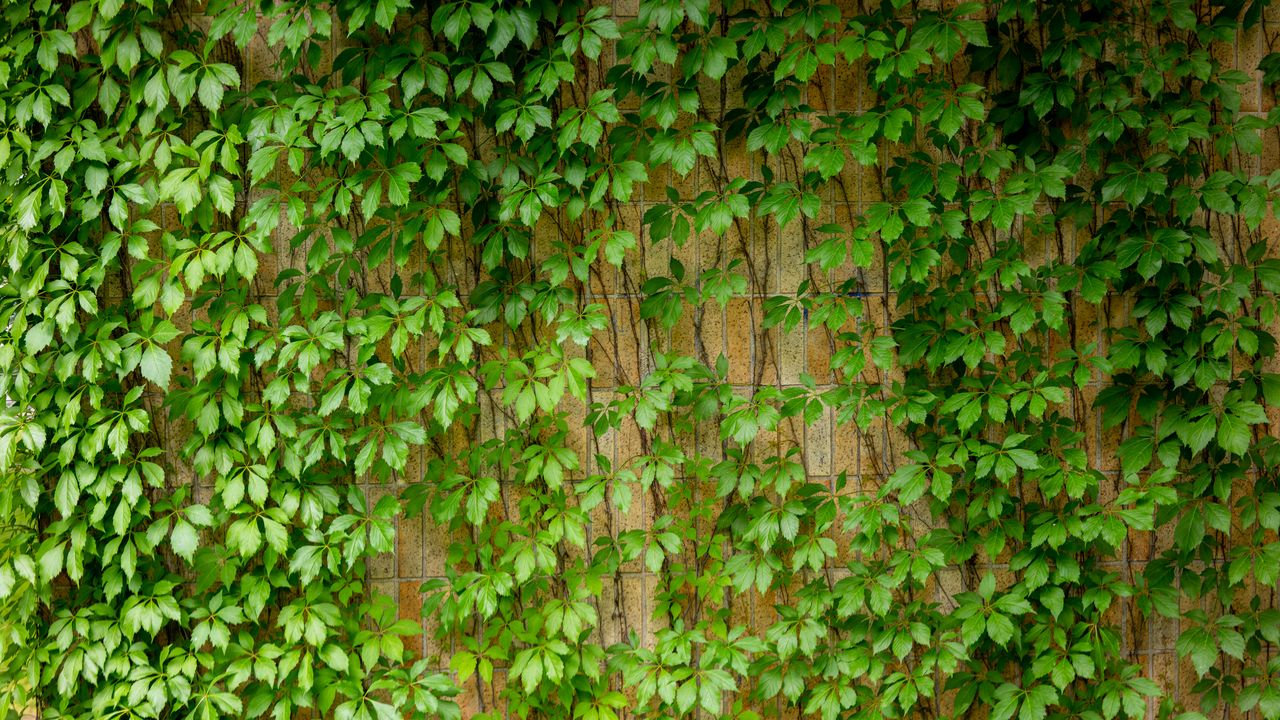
x: 232, y: 303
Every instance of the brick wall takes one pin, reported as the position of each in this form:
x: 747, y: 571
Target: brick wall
x: 756, y: 357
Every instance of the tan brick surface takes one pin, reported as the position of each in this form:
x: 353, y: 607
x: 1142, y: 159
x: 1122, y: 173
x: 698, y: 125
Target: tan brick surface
x: 756, y: 357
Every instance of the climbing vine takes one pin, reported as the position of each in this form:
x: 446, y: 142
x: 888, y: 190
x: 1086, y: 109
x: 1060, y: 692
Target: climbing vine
x: 277, y: 278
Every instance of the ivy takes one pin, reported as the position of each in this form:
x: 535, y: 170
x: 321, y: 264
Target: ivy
x: 280, y: 281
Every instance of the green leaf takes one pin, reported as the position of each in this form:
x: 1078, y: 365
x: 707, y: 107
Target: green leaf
x: 1234, y: 435
x: 156, y: 365
x: 51, y: 562
x: 222, y: 193
x: 184, y: 540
